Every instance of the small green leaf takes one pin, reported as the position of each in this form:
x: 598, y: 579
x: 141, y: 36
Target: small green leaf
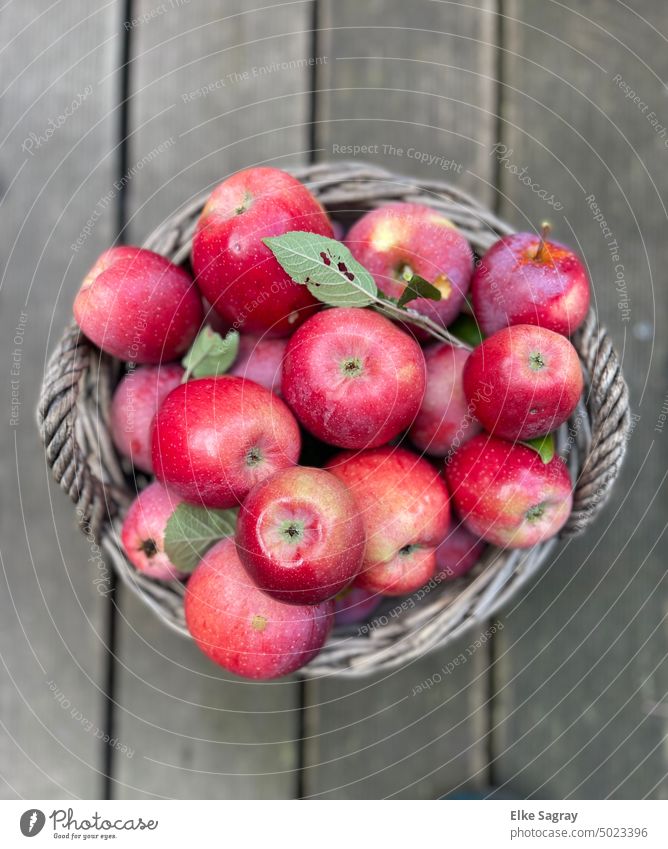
x: 210, y: 354
x: 418, y: 287
x: 191, y: 531
x: 326, y: 267
x: 544, y: 445
x: 466, y: 328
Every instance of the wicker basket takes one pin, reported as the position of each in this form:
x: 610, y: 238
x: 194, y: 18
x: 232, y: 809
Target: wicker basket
x: 73, y: 421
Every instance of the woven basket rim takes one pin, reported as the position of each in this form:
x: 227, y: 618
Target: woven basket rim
x: 73, y: 424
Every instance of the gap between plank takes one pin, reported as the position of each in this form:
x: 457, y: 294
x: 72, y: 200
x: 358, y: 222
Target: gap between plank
x: 492, y: 654
x: 121, y: 221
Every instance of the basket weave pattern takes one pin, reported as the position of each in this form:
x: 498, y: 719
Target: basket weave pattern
x: 73, y: 422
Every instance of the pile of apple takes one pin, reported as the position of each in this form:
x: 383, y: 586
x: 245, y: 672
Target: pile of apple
x: 313, y: 455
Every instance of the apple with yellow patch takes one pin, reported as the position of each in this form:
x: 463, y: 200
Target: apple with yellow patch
x: 402, y: 239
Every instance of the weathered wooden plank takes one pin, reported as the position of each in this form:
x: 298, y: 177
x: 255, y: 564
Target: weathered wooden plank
x: 413, y: 84
x: 222, y: 88
x: 582, y: 674
x: 209, y: 85
x: 57, y: 129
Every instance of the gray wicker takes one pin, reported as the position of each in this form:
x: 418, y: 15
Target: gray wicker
x: 79, y: 381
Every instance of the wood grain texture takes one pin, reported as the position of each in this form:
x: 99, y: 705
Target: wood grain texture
x: 209, y: 84
x: 404, y: 80
x: 411, y: 83
x: 51, y: 183
x: 221, y: 87
x: 582, y: 676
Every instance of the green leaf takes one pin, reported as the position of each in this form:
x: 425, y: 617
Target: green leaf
x: 544, y: 445
x: 418, y: 287
x: 210, y: 354
x: 466, y: 328
x: 191, y: 531
x: 326, y: 267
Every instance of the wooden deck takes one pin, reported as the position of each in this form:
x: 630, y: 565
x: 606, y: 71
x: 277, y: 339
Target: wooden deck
x: 109, y: 126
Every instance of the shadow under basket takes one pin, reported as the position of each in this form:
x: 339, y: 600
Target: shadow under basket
x: 73, y: 419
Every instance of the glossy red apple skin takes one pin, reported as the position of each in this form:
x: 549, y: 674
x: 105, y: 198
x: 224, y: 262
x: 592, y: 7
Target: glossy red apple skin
x: 215, y: 438
x: 143, y: 532
x: 133, y: 407
x: 300, y: 535
x: 354, y: 605
x: 409, y: 235
x: 243, y: 629
x: 138, y: 306
x: 512, y: 285
x: 368, y: 405
x: 523, y: 381
x: 406, y: 511
x: 458, y: 553
x: 261, y: 360
x: 236, y: 272
x: 444, y: 421
x: 506, y: 495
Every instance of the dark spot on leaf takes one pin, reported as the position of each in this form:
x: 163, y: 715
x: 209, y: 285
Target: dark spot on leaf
x: 343, y: 268
x: 149, y: 547
x: 325, y: 258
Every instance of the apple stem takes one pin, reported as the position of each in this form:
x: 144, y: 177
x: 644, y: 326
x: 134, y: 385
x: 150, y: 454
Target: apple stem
x: 545, y: 229
x: 253, y: 456
x: 536, y: 360
x: 352, y: 367
x: 292, y: 530
x: 536, y: 512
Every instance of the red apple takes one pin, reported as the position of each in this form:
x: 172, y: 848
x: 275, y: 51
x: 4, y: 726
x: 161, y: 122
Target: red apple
x: 406, y: 512
x: 133, y: 407
x: 506, y: 494
x: 445, y: 420
x: 138, y: 306
x: 354, y: 605
x: 408, y: 238
x: 458, y: 553
x: 215, y: 438
x: 300, y: 535
x: 261, y: 360
x: 236, y: 272
x: 352, y: 378
x: 523, y: 381
x: 143, y: 532
x: 245, y: 630
x: 526, y: 279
